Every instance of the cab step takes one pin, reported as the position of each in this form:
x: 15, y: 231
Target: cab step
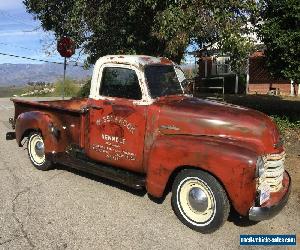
x: 125, y: 177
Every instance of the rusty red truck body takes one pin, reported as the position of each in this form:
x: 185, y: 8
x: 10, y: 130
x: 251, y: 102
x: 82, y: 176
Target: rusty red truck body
x: 139, y: 128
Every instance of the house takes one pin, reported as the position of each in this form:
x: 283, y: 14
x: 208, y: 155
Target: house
x: 215, y: 73
x: 258, y: 79
x: 262, y: 82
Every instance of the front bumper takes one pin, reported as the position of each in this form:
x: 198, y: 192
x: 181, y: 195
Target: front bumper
x: 275, y: 204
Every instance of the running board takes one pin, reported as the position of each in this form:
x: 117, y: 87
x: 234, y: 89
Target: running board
x: 127, y: 178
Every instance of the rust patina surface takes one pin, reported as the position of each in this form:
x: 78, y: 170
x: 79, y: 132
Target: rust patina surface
x: 161, y: 137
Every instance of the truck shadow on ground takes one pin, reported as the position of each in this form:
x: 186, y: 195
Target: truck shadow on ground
x: 238, y: 220
x: 234, y: 217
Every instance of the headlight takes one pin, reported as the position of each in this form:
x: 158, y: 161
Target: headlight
x: 260, y: 167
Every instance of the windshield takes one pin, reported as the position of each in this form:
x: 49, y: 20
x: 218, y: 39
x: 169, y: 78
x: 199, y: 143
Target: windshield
x: 162, y: 80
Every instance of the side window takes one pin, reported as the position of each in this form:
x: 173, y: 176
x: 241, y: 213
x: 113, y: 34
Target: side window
x: 120, y: 82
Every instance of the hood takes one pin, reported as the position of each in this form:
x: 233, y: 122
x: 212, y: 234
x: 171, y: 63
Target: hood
x: 199, y: 117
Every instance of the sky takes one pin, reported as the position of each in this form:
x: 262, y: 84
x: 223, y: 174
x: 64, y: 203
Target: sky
x: 21, y: 35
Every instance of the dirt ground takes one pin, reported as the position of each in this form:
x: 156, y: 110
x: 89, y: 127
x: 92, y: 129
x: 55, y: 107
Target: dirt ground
x: 292, y: 144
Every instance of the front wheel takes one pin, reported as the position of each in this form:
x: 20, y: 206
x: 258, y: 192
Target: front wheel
x: 36, y: 152
x: 199, y: 201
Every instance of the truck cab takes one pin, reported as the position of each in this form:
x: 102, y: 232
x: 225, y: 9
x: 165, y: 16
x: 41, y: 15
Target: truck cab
x: 121, y: 102
x: 139, y: 128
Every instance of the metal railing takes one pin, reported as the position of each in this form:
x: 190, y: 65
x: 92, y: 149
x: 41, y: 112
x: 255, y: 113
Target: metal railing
x: 221, y: 87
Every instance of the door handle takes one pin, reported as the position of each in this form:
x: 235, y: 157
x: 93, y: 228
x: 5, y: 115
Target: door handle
x: 86, y: 109
x: 96, y: 107
x: 108, y: 103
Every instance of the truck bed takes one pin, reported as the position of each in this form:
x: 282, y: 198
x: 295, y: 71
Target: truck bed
x: 72, y: 105
x: 66, y: 115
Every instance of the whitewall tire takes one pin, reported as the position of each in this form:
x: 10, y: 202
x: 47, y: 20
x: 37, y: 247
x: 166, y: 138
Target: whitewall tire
x: 199, y: 200
x: 36, y: 151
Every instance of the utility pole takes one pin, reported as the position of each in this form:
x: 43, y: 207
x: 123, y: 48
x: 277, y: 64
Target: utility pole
x: 63, y: 85
x: 66, y: 48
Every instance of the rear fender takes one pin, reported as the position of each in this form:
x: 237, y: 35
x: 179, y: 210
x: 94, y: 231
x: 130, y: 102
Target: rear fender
x: 232, y: 165
x: 36, y: 121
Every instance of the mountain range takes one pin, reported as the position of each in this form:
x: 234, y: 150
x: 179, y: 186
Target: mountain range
x: 21, y: 74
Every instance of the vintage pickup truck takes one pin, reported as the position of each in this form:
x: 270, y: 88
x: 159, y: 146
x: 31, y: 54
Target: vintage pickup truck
x: 139, y: 128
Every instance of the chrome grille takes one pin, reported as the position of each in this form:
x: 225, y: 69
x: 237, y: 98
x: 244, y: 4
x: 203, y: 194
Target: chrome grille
x: 274, y: 169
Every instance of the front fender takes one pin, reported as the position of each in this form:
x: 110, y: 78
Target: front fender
x: 231, y: 164
x: 39, y: 121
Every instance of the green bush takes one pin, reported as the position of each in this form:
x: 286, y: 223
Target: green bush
x: 85, y: 89
x: 70, y: 88
x: 284, y: 123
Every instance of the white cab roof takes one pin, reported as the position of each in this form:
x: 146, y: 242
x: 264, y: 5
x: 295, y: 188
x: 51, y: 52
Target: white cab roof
x: 136, y: 60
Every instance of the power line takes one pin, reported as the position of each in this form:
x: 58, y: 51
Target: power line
x: 34, y: 59
x: 37, y: 50
x: 16, y: 46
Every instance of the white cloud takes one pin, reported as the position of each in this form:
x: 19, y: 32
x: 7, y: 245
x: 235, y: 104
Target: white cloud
x: 20, y: 33
x: 11, y: 4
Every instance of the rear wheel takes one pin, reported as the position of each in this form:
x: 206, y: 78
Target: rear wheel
x: 199, y: 201
x: 36, y: 152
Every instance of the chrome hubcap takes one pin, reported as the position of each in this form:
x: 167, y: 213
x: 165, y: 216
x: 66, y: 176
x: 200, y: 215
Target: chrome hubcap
x: 39, y: 148
x: 198, y: 199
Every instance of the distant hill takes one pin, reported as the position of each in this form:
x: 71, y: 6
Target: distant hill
x: 20, y: 74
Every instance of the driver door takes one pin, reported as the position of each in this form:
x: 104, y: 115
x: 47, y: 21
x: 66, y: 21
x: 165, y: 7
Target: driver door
x: 117, y: 121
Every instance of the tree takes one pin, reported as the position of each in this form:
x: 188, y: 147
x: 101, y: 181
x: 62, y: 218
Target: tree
x: 222, y: 23
x: 280, y: 32
x: 102, y: 27
x: 153, y: 27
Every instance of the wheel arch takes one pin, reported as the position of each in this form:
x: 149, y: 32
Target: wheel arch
x: 31, y: 121
x: 26, y: 134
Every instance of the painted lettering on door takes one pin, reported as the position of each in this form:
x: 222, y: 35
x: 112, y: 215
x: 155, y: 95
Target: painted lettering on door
x: 112, y: 138
x: 114, y: 153
x: 117, y: 120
